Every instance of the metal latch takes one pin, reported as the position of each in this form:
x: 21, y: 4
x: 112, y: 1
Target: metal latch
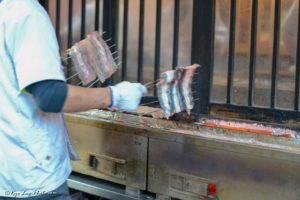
x: 93, y: 162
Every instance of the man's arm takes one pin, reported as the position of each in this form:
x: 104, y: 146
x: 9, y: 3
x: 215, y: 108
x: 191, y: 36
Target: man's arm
x: 57, y: 96
x: 125, y: 96
x: 80, y: 99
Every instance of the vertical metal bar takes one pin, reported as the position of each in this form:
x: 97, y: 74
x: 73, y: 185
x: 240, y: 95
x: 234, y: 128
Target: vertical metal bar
x: 157, y: 41
x: 203, y: 51
x: 106, y: 27
x: 252, y: 61
x: 57, y: 21
x: 110, y: 23
x: 275, y: 50
x: 115, y: 8
x: 231, y: 50
x: 107, y: 21
x: 82, y: 35
x: 125, y: 32
x: 70, y: 23
x: 141, y: 42
x: 97, y: 11
x: 176, y: 33
x: 70, y: 37
x: 296, y: 101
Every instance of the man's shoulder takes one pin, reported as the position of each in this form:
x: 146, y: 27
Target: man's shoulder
x: 19, y: 9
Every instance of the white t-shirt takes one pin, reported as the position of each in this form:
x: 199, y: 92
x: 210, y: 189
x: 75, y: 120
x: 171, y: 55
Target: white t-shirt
x: 33, y: 152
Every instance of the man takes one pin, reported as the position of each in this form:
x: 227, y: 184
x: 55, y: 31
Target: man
x: 34, y: 159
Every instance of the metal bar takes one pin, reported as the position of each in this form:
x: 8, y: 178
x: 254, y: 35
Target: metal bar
x: 93, y: 83
x: 252, y: 52
x: 102, y: 188
x: 114, y: 26
x: 157, y: 41
x: 70, y: 38
x: 106, y: 27
x: 97, y: 11
x: 112, y: 46
x: 79, y: 83
x: 83, y: 6
x: 141, y: 42
x: 231, y: 50
x: 148, y: 103
x: 296, y: 101
x: 125, y: 32
x: 176, y: 33
x: 72, y: 76
x: 114, y: 53
x: 202, y: 51
x: 275, y: 50
x: 57, y: 21
x: 110, y: 23
x: 70, y: 24
x: 257, y: 114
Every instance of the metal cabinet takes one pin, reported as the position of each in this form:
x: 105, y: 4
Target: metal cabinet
x: 109, y: 150
x: 185, y: 160
x: 194, y: 167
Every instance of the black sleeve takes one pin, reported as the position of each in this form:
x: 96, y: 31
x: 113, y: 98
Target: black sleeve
x: 49, y: 95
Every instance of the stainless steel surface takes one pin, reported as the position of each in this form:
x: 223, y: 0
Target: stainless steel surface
x: 102, y: 188
x: 181, y: 168
x: 109, y: 151
x: 185, y: 158
x: 164, y: 128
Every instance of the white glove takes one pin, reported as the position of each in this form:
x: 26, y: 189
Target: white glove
x: 126, y: 95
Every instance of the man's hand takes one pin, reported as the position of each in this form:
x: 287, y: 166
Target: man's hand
x: 126, y: 95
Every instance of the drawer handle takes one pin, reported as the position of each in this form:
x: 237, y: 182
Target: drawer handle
x: 108, y: 165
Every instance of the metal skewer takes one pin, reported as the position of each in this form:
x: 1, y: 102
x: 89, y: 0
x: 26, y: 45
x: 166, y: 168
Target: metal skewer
x: 117, y: 58
x: 112, y: 46
x: 97, y: 80
x: 119, y: 64
x: 107, y: 40
x: 114, y: 52
x: 151, y: 102
x: 66, y: 58
x: 72, y: 76
x: 151, y: 83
